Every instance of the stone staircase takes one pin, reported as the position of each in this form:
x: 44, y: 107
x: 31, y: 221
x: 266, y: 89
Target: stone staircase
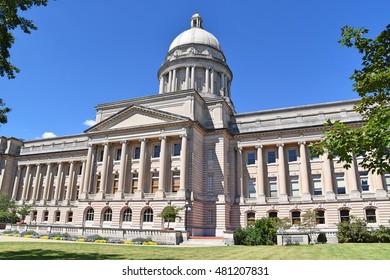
x: 203, y: 241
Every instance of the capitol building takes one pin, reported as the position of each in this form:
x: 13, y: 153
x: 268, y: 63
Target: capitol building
x: 186, y: 146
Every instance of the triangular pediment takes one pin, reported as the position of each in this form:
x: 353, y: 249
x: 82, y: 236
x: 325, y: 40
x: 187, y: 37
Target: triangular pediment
x: 136, y: 116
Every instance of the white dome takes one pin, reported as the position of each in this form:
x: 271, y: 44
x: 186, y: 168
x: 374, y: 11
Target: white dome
x: 195, y: 35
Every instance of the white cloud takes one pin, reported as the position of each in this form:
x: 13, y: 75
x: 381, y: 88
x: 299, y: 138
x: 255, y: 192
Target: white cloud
x: 89, y: 122
x: 48, y: 135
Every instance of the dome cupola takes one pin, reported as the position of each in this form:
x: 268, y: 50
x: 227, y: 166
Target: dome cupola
x: 195, y: 60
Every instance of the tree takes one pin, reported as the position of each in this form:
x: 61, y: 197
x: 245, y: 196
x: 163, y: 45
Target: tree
x: 283, y: 225
x: 7, y: 210
x: 371, y: 139
x: 170, y: 213
x: 309, y: 223
x: 24, y: 211
x: 9, y: 21
x: 262, y: 232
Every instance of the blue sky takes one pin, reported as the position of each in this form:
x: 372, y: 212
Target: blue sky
x: 282, y: 53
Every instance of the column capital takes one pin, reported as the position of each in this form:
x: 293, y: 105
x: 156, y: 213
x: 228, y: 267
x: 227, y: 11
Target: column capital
x: 239, y: 149
x: 279, y: 144
x: 106, y: 144
x: 259, y: 146
x: 123, y: 141
x: 143, y: 140
x: 163, y: 137
x: 185, y: 135
x: 302, y: 142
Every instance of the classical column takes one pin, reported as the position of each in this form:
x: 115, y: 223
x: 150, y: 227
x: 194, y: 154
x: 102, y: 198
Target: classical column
x: 87, y: 173
x: 328, y: 179
x: 142, y: 169
x: 193, y: 77
x: 103, y: 178
x: 212, y: 82
x: 240, y: 174
x: 162, y: 176
x: 161, y: 87
x: 26, y: 183
x: 58, y: 184
x: 16, y: 183
x: 260, y: 175
x: 122, y: 170
x: 174, y: 84
x: 36, y: 183
x: 82, y: 176
x: 207, y: 79
x: 222, y: 80
x: 70, y: 182
x: 377, y: 181
x: 183, y: 165
x: 282, y: 174
x: 47, y: 183
x: 352, y: 182
x: 169, y: 81
x: 306, y: 196
x: 187, y: 85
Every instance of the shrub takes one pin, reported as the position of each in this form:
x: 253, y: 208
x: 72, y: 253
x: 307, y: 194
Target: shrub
x: 100, y: 241
x: 128, y: 242
x: 262, y: 232
x: 80, y: 240
x: 355, y: 230
x: 321, y: 238
x: 44, y: 237
x: 149, y: 243
x: 92, y: 238
x: 381, y: 235
x: 57, y: 238
x: 140, y: 240
x: 29, y: 232
x: 28, y: 235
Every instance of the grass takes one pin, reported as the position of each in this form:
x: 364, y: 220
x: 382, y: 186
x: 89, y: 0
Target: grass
x: 85, y: 251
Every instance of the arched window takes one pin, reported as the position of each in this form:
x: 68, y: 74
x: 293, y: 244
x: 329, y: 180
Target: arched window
x: 90, y: 215
x: 320, y: 217
x: 250, y: 218
x: 148, y: 215
x: 45, y: 216
x: 344, y: 215
x: 69, y: 218
x: 107, y: 215
x: 272, y: 214
x: 57, y: 216
x: 295, y: 217
x: 127, y: 215
x: 371, y: 215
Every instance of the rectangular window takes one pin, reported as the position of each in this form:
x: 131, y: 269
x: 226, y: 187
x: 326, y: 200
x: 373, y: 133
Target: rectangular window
x: 317, y: 186
x: 156, y: 151
x: 101, y: 153
x: 77, y: 192
x: 155, y: 181
x: 292, y: 155
x: 118, y: 154
x: 340, y: 183
x: 271, y: 156
x: 371, y: 215
x: 250, y: 158
x: 80, y: 170
x: 98, y: 184
x: 58, y: 216
x: 387, y: 182
x: 364, y: 181
x: 45, y: 216
x: 116, y: 183
x: 320, y: 217
x: 134, y: 183
x: 70, y: 217
x: 294, y: 186
x: 176, y: 149
x: 295, y: 217
x: 273, y: 187
x: 137, y: 152
x: 210, y: 183
x: 175, y: 181
x: 252, y: 187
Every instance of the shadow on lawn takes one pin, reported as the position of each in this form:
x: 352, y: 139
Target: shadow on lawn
x: 39, y: 254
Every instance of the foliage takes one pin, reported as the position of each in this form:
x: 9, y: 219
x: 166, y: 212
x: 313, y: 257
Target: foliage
x: 93, y: 238
x: 262, y: 232
x: 171, y: 213
x: 309, y: 223
x: 24, y: 211
x: 9, y: 21
x: 283, y: 225
x: 321, y: 238
x: 372, y: 83
x: 354, y: 230
x: 7, y: 210
x: 140, y: 240
x: 381, y: 235
x: 3, y: 112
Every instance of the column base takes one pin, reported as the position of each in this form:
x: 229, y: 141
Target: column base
x: 330, y: 196
x: 119, y: 195
x: 380, y: 193
x: 306, y: 197
x: 83, y: 195
x: 283, y: 197
x: 355, y: 194
x: 139, y: 194
x: 261, y: 198
x: 54, y: 202
x: 100, y: 196
x: 160, y: 194
x: 66, y: 202
x: 181, y: 193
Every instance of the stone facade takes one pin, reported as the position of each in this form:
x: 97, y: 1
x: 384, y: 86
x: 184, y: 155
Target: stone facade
x: 186, y: 146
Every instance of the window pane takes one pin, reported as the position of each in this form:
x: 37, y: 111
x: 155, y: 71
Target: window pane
x: 251, y: 157
x: 292, y: 155
x: 156, y: 151
x: 176, y: 149
x: 252, y: 187
x: 364, y: 181
x: 271, y: 157
x: 294, y: 185
x: 273, y: 187
x: 137, y: 152
x: 340, y: 183
x: 317, y: 186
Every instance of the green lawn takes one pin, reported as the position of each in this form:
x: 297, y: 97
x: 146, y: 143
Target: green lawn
x: 85, y: 251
